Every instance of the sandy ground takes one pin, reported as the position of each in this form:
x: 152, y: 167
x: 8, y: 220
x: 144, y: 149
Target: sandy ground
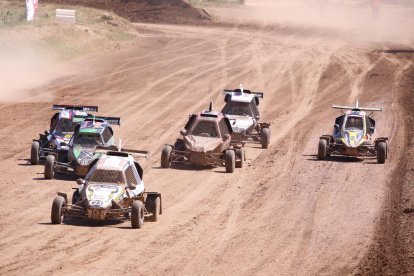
x: 285, y: 213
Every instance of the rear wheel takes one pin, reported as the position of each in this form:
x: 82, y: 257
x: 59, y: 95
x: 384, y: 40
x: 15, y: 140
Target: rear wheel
x: 137, y: 214
x: 49, y: 164
x: 34, y: 154
x: 381, y: 152
x: 322, y: 148
x: 265, y: 138
x: 240, y: 157
x: 56, y: 214
x: 166, y: 156
x: 230, y: 160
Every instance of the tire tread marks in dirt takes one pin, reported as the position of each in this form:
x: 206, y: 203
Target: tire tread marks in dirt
x: 391, y: 250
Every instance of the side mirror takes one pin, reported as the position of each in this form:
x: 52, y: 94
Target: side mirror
x: 183, y: 132
x: 336, y: 126
x: 371, y: 129
x: 80, y: 181
x: 227, y: 137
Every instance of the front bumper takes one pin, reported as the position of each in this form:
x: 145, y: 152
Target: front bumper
x: 362, y: 150
x: 197, y: 158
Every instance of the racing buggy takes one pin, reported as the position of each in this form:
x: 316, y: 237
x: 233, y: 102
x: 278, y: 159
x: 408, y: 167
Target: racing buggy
x: 354, y: 134
x: 76, y: 156
x: 112, y: 190
x: 242, y: 110
x: 206, y: 140
x: 62, y: 126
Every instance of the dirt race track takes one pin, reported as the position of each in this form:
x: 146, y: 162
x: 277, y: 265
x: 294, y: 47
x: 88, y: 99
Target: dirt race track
x: 284, y: 213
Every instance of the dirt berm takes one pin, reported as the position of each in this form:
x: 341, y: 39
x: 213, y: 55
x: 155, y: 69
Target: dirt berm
x: 153, y: 11
x: 391, y: 251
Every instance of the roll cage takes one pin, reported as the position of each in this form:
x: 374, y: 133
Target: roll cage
x: 222, y: 124
x: 369, y: 122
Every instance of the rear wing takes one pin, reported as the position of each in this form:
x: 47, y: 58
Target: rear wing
x: 90, y: 108
x: 353, y: 108
x: 230, y: 91
x: 110, y: 120
x: 356, y: 108
x: 116, y: 151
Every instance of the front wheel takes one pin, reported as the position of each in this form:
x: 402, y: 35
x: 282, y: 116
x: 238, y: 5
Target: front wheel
x: 265, y: 138
x: 166, y: 156
x: 49, y: 166
x: 57, y: 206
x: 322, y: 149
x: 34, y: 153
x: 381, y: 152
x: 230, y: 160
x: 137, y: 214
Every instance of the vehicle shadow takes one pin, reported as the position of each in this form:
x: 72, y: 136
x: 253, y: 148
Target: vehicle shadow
x: 185, y: 167
x: 27, y: 163
x: 253, y: 146
x: 398, y: 51
x: 84, y: 222
x: 335, y: 158
x: 67, y: 177
x: 40, y: 178
x: 58, y: 176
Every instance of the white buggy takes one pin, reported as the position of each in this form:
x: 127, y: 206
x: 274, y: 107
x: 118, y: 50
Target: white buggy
x: 112, y: 189
x: 242, y: 110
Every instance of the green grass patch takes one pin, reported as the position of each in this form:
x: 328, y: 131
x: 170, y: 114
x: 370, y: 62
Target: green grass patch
x: 10, y: 16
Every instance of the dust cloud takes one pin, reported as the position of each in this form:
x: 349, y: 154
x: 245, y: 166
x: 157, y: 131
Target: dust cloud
x: 22, y: 69
x: 366, y: 20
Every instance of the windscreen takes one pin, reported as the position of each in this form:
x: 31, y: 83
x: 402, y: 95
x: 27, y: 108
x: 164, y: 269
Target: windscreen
x: 107, y: 176
x: 238, y: 108
x: 206, y: 129
x: 65, y: 125
x: 354, y: 122
x: 92, y: 139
